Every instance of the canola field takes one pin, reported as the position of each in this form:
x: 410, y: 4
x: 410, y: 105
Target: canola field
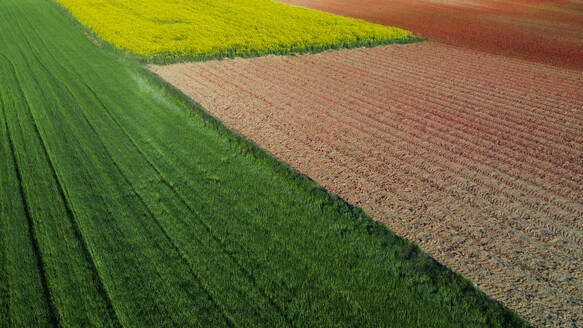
x: 169, y: 30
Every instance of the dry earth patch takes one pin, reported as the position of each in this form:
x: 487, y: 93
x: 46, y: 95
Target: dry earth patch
x: 547, y: 31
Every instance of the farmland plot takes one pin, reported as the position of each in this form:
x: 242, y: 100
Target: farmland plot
x: 547, y: 31
x: 169, y: 31
x: 476, y: 157
x: 123, y: 206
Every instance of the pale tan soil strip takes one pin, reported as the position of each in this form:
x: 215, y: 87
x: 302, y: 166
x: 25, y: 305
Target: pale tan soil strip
x: 476, y: 157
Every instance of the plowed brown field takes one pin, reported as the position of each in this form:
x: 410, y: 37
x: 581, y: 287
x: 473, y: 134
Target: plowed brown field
x: 548, y: 31
x: 476, y: 157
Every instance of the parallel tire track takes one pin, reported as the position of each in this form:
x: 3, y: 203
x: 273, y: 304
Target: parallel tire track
x: 63, y: 192
x: 32, y: 233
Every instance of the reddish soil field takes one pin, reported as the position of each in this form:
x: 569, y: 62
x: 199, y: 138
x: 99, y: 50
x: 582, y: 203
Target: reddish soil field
x: 548, y: 31
x: 476, y: 157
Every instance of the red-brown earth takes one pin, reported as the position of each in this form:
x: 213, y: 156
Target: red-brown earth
x: 547, y: 31
x: 476, y: 157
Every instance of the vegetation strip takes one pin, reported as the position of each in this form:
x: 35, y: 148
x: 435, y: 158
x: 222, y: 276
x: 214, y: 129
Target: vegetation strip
x: 149, y: 212
x: 169, y: 31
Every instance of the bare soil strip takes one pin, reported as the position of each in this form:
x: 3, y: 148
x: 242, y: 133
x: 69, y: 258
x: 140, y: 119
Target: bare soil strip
x: 476, y: 157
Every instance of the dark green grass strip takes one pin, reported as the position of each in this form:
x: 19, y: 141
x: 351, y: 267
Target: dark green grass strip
x: 147, y: 211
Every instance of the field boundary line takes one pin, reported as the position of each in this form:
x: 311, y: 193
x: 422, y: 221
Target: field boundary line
x: 325, y: 199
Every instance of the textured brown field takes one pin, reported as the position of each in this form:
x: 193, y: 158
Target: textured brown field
x: 547, y: 31
x: 476, y: 157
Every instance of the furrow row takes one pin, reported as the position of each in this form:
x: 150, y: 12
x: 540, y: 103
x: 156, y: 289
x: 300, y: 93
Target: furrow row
x: 316, y: 116
x: 562, y: 175
x: 455, y: 132
x: 561, y: 205
x: 498, y: 111
x: 515, y: 71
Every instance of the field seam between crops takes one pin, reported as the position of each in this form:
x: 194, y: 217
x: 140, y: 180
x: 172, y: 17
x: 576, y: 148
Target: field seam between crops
x: 54, y: 317
x: 291, y: 183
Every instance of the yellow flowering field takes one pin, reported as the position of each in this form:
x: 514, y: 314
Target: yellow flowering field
x: 174, y: 29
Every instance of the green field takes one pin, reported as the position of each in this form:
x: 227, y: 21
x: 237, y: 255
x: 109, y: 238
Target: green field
x: 122, y: 204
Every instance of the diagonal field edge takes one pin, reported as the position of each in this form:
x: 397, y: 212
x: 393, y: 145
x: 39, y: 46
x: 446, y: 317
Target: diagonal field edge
x: 326, y: 200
